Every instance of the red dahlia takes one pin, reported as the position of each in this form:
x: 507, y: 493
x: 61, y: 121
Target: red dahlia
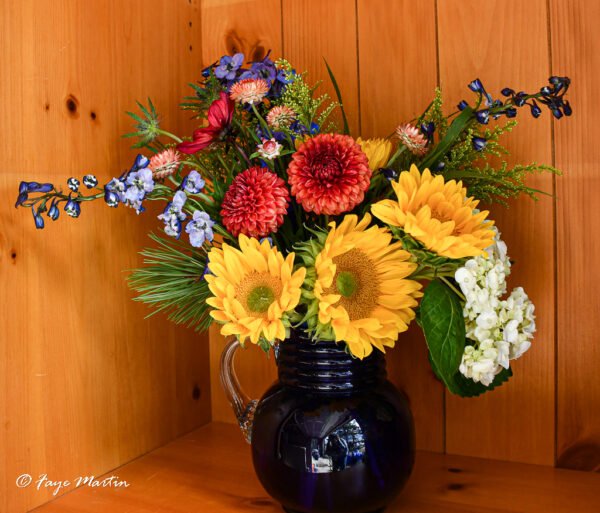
x: 329, y: 174
x: 255, y: 203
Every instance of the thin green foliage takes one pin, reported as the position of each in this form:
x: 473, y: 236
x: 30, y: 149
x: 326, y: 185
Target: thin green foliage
x: 339, y: 98
x: 172, y: 282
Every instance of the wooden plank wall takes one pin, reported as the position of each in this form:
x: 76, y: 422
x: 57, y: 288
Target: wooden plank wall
x: 86, y: 384
x: 388, y: 57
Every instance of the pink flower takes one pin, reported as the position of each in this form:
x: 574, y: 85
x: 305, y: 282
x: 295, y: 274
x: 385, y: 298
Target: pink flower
x: 414, y: 140
x: 269, y: 149
x: 220, y: 114
x: 165, y: 163
x: 280, y: 116
x: 249, y: 90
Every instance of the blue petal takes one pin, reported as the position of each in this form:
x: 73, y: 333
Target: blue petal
x: 479, y: 143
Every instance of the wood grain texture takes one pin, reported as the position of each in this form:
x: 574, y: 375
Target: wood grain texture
x: 86, y: 383
x: 210, y: 470
x: 314, y: 31
x: 508, y: 41
x: 398, y: 76
x: 576, y: 53
x: 254, y: 28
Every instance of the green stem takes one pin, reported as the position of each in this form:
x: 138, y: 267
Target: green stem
x: 456, y: 291
x: 169, y: 134
x: 399, y: 152
x: 262, y: 121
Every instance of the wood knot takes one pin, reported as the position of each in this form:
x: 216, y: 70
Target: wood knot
x: 456, y: 486
x: 13, y: 254
x: 196, y: 393
x: 583, y: 455
x: 93, y: 115
x: 455, y: 470
x: 233, y: 43
x: 258, y: 53
x: 72, y: 105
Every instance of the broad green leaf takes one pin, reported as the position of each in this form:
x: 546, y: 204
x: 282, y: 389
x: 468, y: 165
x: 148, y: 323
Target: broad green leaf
x: 444, y: 328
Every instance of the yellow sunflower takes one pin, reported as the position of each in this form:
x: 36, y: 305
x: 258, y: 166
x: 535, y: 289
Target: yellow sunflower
x: 377, y: 150
x: 360, y: 286
x: 253, y: 288
x: 438, y: 214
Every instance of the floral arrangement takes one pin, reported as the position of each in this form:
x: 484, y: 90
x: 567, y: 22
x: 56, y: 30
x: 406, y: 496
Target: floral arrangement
x: 292, y: 223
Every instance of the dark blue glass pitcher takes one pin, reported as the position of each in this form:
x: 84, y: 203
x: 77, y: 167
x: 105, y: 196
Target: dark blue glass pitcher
x: 332, y: 434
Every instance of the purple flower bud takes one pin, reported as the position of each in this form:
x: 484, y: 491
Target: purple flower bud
x: 462, y: 105
x: 476, y: 86
x: 141, y: 162
x: 21, y: 198
x: 35, y: 187
x: 428, y: 129
x: 479, y: 143
x: 507, y: 91
x: 37, y: 217
x: 90, y: 181
x: 53, y: 212
x: 111, y: 198
x: 72, y: 208
x: 519, y: 98
x: 483, y: 116
x: 389, y: 173
x: 535, y: 109
x: 73, y: 184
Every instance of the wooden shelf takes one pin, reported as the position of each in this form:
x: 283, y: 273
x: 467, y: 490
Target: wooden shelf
x: 209, y: 470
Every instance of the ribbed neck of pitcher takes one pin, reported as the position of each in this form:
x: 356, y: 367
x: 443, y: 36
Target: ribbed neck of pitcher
x: 325, y: 367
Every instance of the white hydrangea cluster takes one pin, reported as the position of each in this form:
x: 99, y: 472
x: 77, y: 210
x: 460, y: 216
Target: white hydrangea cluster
x: 500, y: 329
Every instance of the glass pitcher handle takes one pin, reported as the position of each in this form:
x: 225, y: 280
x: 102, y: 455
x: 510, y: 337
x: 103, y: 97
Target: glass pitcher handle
x: 243, y: 406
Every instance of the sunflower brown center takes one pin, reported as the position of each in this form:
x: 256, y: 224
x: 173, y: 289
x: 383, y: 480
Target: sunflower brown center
x: 357, y: 282
x: 257, y: 291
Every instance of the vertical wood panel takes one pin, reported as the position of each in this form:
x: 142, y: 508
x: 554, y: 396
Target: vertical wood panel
x: 86, y: 383
x: 398, y: 76
x: 314, y: 30
x: 576, y: 53
x: 254, y: 28
x: 500, y: 42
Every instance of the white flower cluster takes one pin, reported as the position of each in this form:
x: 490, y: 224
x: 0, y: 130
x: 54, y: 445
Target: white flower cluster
x: 500, y: 329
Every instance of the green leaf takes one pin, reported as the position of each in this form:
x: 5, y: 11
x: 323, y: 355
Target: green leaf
x: 452, y: 135
x: 172, y: 282
x: 466, y: 387
x: 339, y: 98
x: 444, y: 328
